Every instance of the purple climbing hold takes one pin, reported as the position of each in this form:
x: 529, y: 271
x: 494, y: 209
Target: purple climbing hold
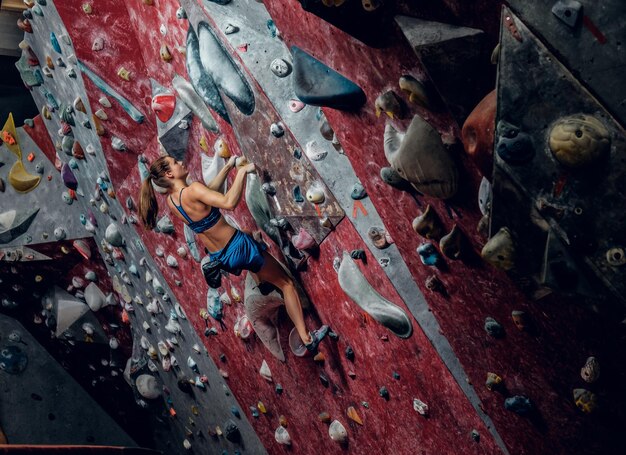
x: 69, y: 179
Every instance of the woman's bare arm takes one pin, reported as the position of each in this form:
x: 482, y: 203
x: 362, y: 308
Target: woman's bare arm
x: 218, y: 181
x: 226, y: 201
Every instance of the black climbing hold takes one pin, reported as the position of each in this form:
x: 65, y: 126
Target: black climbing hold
x: 324, y: 380
x: 383, y: 392
x: 317, y: 84
x: 358, y: 254
x: 350, y: 353
x: 231, y: 431
x: 332, y: 335
x: 513, y: 146
x: 184, y: 385
x: 223, y: 357
x: 519, y: 404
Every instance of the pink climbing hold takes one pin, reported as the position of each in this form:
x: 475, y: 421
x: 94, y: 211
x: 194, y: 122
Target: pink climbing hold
x: 303, y: 240
x: 296, y: 105
x: 163, y: 106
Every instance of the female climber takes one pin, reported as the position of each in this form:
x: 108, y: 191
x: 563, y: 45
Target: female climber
x: 199, y: 207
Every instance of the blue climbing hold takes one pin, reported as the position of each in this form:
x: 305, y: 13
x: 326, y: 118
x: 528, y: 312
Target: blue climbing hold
x: 235, y: 412
x: 297, y: 194
x: 55, y: 43
x: 316, y: 84
x: 272, y: 28
x: 428, y: 254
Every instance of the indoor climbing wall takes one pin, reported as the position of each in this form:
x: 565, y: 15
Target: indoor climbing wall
x: 374, y: 156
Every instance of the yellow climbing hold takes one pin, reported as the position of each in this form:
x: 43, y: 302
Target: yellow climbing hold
x: 221, y: 148
x: 166, y: 56
x: 353, y: 415
x: 123, y: 73
x: 261, y: 407
x: 203, y: 145
x: 282, y: 420
x: 21, y: 180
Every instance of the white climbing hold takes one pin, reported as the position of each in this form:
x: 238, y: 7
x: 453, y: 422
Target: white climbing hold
x: 265, y: 371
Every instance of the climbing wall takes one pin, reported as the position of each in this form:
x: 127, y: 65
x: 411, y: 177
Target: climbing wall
x: 374, y: 168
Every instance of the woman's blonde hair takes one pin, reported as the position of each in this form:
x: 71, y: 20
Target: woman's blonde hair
x: 148, y: 207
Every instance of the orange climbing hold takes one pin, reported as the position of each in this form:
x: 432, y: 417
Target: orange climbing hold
x: 126, y: 319
x: 353, y: 415
x: 31, y: 157
x: 8, y: 138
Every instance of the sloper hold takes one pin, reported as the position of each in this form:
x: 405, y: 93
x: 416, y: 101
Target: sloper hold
x: 21, y: 180
x: 189, y: 96
x: 219, y: 64
x: 356, y: 286
x: 14, y: 223
x: 316, y: 84
x: 455, y: 57
x: 420, y: 157
x: 202, y: 82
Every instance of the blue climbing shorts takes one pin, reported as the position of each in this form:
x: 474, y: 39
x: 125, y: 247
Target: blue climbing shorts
x: 243, y: 253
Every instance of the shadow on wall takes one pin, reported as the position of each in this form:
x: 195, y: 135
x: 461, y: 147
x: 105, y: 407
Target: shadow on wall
x: 14, y: 97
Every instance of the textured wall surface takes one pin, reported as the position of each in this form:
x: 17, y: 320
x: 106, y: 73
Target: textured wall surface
x: 444, y: 363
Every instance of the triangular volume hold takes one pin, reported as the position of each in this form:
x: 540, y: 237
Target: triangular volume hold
x: 316, y: 84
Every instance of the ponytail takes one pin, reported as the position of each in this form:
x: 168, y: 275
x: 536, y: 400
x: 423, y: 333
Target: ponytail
x: 148, y: 206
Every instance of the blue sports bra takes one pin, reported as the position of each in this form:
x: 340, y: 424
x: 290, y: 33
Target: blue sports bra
x: 201, y: 225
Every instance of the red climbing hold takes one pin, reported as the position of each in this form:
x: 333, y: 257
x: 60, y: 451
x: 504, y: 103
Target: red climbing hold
x: 163, y: 106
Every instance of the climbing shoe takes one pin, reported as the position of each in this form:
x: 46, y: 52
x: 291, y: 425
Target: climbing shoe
x: 316, y: 337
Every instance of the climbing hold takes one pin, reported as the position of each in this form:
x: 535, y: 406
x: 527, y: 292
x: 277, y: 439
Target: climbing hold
x: 420, y: 157
x: 478, y: 133
x: 165, y: 54
x: 520, y: 319
x: 123, y: 73
x: 265, y: 371
x: 55, y: 43
x: 513, y: 146
x: 354, y: 415
x: 98, y: 44
x: 87, y: 8
x: 280, y: 67
x: 428, y: 224
x: 97, y: 125
x: 282, y: 436
x: 147, y: 386
x: 615, y: 257
x: 296, y: 105
x: 567, y: 11
x: 221, y: 148
x: 389, y: 103
x: 519, y: 404
x: 337, y: 432
x: 493, y: 381
x: 24, y: 25
x: 49, y: 63
x: 420, y: 407
x: 361, y: 292
x: 319, y: 357
x: 358, y: 192
x: 493, y: 328
x: 297, y: 194
x: 324, y: 380
x: 590, y: 372
x: 101, y: 114
x: 451, y: 243
x: 314, y: 151
x: 230, y: 29
x: 383, y: 392
x: 579, y: 140
x: 315, y: 194
x: 277, y: 129
x: 349, y: 353
x: 585, y: 400
x: 434, y: 284
x: 378, y: 236
x: 358, y: 254
x: 416, y: 91
x: 429, y: 254
x: 118, y: 144
x: 14, y: 223
x: 499, y: 251
x: 391, y: 177
x: 113, y: 235
x: 317, y: 84
x: 303, y: 240
x: 163, y: 106
x: 218, y: 65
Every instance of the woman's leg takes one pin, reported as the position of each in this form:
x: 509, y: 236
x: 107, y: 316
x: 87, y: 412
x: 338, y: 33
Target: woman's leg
x: 272, y: 272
